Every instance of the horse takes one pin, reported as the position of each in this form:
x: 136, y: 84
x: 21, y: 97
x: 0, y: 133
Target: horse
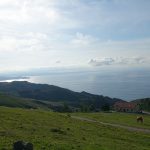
x: 140, y: 119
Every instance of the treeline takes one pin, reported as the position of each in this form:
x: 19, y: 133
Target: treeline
x: 82, y: 108
x: 144, y: 104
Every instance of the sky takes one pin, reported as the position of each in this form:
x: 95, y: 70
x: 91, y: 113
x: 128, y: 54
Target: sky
x: 74, y: 33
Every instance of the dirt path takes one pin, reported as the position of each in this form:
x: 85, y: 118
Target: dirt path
x: 113, y: 125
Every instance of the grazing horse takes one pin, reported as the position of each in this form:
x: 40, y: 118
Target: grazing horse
x: 140, y: 119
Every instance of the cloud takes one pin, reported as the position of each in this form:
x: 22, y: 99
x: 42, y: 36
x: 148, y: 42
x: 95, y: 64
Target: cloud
x: 118, y: 61
x: 102, y: 62
x: 25, y: 42
x: 27, y: 12
x: 40, y: 32
x: 81, y: 39
x: 58, y: 62
x: 133, y: 60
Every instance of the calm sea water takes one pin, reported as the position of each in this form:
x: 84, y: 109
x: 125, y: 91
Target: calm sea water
x: 127, y: 85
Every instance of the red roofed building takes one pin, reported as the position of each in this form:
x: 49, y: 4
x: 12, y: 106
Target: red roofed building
x: 126, y: 107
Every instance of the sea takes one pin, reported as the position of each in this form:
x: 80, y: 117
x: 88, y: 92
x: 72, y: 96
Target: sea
x: 127, y: 84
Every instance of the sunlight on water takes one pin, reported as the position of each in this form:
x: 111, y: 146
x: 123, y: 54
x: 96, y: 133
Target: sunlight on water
x: 127, y: 85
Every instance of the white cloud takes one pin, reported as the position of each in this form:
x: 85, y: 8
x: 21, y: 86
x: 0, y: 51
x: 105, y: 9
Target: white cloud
x: 40, y: 32
x: 27, y: 12
x: 27, y: 42
x: 102, y: 61
x: 81, y: 39
x: 119, y: 61
x: 58, y: 62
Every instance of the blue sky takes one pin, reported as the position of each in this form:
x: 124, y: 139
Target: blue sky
x: 74, y: 33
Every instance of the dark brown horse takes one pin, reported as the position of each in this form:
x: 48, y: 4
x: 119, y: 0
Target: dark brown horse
x: 140, y: 119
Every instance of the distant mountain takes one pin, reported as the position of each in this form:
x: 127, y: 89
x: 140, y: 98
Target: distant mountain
x: 51, y: 93
x: 143, y: 103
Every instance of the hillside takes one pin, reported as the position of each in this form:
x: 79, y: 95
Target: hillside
x: 143, y: 103
x: 53, y: 93
x: 13, y: 101
x: 125, y: 119
x: 53, y: 131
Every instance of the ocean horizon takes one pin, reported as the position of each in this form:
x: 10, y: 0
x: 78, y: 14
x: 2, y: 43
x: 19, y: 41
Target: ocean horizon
x: 125, y: 84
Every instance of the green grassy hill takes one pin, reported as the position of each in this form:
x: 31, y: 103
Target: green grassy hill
x: 54, y: 131
x: 127, y: 119
x: 13, y: 101
x: 53, y: 93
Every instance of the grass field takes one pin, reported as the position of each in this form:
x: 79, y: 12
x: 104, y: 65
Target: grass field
x: 17, y: 102
x: 53, y: 131
x: 128, y: 119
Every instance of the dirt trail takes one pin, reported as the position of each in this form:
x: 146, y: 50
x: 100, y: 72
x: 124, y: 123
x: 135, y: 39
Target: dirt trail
x: 113, y: 125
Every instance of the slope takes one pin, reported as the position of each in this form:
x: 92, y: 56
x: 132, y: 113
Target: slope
x: 12, y: 101
x: 144, y: 103
x: 54, y: 93
x: 54, y: 131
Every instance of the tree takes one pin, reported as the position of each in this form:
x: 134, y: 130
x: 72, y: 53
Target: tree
x: 106, y: 107
x: 66, y: 108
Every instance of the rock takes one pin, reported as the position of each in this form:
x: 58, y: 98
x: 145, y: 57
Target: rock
x: 29, y: 146
x: 20, y: 145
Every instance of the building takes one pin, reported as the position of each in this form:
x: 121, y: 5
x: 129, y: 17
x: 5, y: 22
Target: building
x: 126, y: 107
